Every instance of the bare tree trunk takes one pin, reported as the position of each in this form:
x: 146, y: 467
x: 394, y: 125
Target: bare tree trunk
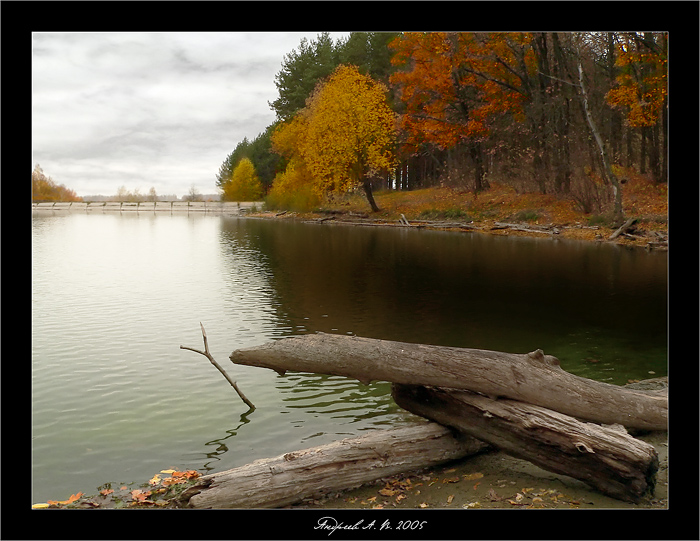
x: 367, y: 186
x: 609, y: 460
x: 345, y: 464
x: 612, y: 178
x: 535, y: 378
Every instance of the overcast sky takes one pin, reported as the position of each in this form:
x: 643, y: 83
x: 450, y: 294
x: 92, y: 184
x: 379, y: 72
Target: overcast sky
x: 145, y: 110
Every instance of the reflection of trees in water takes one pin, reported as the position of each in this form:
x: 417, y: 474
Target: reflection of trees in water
x: 464, y: 290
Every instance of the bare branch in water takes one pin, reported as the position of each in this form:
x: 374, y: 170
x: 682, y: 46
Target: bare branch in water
x: 218, y: 367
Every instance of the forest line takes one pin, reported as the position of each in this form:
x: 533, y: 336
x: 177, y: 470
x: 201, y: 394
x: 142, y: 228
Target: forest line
x: 572, y: 114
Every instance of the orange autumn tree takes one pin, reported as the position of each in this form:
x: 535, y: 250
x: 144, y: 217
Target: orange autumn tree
x: 454, y: 84
x: 350, y: 133
x: 642, y: 86
x: 45, y: 189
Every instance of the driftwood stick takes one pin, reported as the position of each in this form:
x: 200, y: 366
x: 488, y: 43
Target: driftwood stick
x: 218, y: 367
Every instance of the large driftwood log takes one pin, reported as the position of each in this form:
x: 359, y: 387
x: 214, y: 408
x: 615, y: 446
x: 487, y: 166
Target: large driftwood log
x: 607, y: 459
x: 289, y: 478
x: 533, y: 377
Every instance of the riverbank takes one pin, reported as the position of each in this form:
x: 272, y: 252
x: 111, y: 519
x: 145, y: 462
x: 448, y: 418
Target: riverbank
x: 492, y: 480
x: 503, y: 211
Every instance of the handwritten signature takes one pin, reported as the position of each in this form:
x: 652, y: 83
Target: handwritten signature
x: 331, y: 524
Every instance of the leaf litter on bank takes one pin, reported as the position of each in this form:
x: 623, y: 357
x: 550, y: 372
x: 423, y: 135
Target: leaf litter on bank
x: 157, y: 492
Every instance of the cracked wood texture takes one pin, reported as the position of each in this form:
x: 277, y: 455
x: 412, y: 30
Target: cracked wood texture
x: 533, y: 377
x: 606, y: 458
x: 348, y: 463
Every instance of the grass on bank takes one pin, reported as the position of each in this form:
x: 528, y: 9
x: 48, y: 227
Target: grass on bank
x: 642, y: 199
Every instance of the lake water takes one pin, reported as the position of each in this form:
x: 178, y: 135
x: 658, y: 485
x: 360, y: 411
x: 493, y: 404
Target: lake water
x: 114, y: 399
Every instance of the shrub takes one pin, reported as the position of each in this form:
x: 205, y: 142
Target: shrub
x: 526, y: 215
x: 291, y: 190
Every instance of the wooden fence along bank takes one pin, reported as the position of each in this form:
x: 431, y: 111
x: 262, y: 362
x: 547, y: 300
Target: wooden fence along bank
x: 217, y: 207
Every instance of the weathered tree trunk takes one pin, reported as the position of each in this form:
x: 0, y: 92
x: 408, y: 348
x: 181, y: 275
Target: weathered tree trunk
x: 609, y: 460
x: 367, y: 186
x: 289, y: 478
x: 534, y: 377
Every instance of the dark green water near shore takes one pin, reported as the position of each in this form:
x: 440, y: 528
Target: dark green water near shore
x: 114, y: 296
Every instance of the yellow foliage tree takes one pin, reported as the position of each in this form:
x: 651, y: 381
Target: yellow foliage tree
x: 244, y: 184
x: 350, y: 133
x: 292, y: 189
x: 345, y: 135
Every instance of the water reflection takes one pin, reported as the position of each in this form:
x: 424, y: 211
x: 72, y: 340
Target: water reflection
x: 468, y: 290
x: 335, y: 396
x: 113, y: 297
x: 214, y: 457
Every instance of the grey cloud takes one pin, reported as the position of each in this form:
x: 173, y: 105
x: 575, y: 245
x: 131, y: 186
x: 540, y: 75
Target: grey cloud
x: 122, y: 109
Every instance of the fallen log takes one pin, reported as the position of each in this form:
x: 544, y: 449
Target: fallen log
x: 522, y: 227
x: 534, y: 377
x: 624, y: 227
x: 607, y: 459
x: 289, y: 478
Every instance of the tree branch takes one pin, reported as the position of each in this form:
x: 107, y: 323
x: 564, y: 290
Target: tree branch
x: 218, y: 367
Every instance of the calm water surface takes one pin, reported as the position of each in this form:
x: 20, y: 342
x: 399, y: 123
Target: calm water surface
x: 114, y: 296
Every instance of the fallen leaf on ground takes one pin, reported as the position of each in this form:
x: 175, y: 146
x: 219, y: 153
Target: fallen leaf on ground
x: 74, y: 497
x: 473, y: 476
x: 154, y: 480
x: 450, y: 498
x: 40, y: 506
x: 189, y: 474
x: 139, y: 495
x: 423, y: 505
x: 106, y: 491
x: 168, y: 471
x: 387, y: 492
x: 172, y: 481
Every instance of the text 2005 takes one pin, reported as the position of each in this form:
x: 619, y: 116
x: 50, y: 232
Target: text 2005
x: 410, y: 524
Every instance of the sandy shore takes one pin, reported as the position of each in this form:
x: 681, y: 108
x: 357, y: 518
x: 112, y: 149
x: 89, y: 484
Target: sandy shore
x: 491, y: 480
